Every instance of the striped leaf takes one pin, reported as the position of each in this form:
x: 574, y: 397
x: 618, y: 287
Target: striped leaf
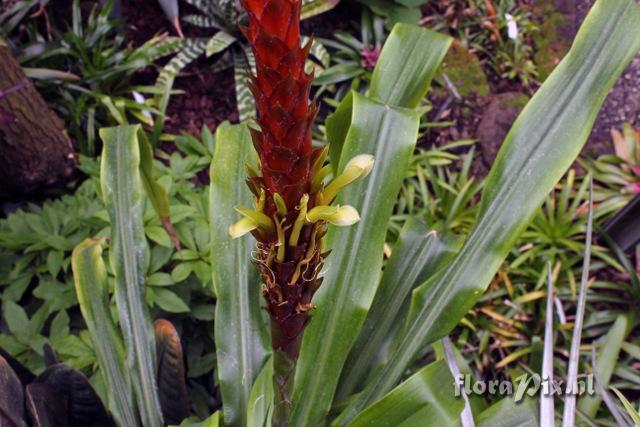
x: 240, y: 334
x: 92, y: 289
x: 219, y: 42
x: 129, y: 254
x: 243, y: 61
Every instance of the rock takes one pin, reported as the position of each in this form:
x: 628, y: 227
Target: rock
x: 496, y: 120
x: 464, y: 71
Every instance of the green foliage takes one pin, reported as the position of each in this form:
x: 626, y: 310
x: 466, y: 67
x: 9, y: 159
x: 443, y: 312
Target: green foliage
x: 482, y: 28
x: 241, y: 341
x: 37, y: 284
x: 617, y: 175
x: 351, y: 59
x: 93, y: 67
x: 534, y: 156
x: 359, y: 306
x: 395, y: 11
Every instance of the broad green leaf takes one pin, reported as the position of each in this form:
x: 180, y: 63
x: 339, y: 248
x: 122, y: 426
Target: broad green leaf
x: 418, y: 253
x: 407, y: 64
x: 508, y: 413
x: 261, y: 398
x: 540, y: 147
x: 353, y: 269
x: 401, y: 78
x: 92, y: 289
x: 213, y: 421
x: 426, y: 398
x: 169, y: 301
x: 605, y: 363
x: 123, y: 194
x: 16, y: 319
x: 241, y: 340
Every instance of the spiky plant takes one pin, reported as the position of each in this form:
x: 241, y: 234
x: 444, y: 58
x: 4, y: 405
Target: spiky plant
x: 292, y: 206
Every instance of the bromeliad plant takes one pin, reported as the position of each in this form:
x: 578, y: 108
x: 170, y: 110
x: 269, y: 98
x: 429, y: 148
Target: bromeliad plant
x: 617, y: 175
x: 427, y: 285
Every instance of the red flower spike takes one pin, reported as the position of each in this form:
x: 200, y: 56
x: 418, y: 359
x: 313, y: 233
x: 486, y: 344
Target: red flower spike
x: 281, y: 88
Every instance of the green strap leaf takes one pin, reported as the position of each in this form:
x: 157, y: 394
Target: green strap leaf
x: 92, y: 289
x: 407, y: 64
x: 353, y: 268
x: 418, y: 253
x: 541, y: 146
x: 240, y: 333
x: 427, y: 395
x: 401, y: 77
x: 606, y: 363
x: 124, y: 197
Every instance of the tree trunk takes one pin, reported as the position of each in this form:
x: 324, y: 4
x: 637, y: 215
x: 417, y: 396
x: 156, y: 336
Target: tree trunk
x: 35, y: 151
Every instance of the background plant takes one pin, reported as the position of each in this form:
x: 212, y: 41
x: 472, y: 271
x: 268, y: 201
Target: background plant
x: 85, y: 68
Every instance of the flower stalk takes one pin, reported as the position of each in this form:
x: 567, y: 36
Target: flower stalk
x: 292, y: 207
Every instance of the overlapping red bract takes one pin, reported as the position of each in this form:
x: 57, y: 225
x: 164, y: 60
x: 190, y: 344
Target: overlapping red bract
x: 281, y: 90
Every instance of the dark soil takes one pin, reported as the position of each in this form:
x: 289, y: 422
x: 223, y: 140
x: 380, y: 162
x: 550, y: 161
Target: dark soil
x: 623, y: 103
x: 209, y: 98
x: 480, y: 118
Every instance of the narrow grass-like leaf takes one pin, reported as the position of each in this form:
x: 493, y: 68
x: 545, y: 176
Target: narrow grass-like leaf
x: 540, y: 147
x: 92, y: 289
x: 606, y: 363
x: 615, y: 410
x: 547, y: 410
x: 633, y: 412
x: 353, y: 269
x: 418, y: 253
x: 466, y: 417
x: 568, y: 416
x: 427, y: 395
x: 240, y: 335
x: 124, y: 197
